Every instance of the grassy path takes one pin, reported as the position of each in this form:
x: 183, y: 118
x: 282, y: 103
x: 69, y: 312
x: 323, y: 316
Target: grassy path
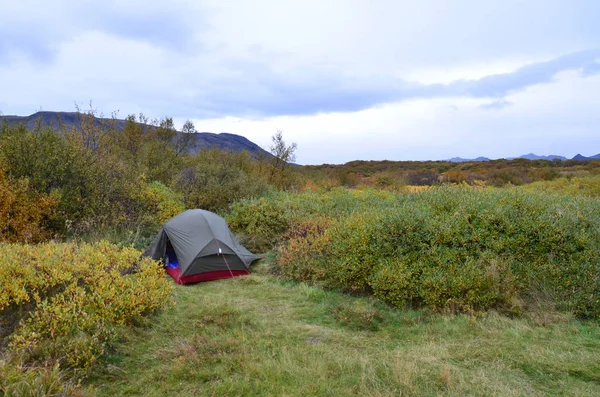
x: 258, y: 335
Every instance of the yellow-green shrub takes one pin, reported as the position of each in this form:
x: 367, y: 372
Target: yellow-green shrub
x: 470, y: 286
x: 66, y: 302
x: 454, y: 248
x: 305, y: 237
x: 394, y: 282
x: 261, y: 222
x: 588, y: 186
x: 162, y: 203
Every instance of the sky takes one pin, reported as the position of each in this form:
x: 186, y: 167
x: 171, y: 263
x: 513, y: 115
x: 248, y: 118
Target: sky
x: 344, y: 79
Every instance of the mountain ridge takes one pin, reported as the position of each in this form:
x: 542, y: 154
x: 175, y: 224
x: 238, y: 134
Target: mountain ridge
x: 69, y: 120
x: 205, y: 140
x: 529, y: 156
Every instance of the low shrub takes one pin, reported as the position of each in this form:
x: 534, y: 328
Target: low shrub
x: 395, y: 282
x: 586, y: 186
x: 305, y: 237
x: 263, y: 222
x: 23, y: 212
x: 62, y: 304
x: 474, y: 285
x: 454, y: 248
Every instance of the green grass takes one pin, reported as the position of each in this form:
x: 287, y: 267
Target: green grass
x: 259, y: 335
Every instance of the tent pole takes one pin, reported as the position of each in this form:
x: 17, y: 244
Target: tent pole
x: 222, y: 255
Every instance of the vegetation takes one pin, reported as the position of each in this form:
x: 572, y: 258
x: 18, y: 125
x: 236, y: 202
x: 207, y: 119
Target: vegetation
x: 261, y: 336
x: 449, y: 248
x: 387, y: 278
x: 62, y: 306
x: 585, y: 186
x: 120, y: 180
x: 493, y: 173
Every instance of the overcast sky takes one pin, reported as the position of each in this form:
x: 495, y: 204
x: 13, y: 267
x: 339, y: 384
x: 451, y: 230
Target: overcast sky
x: 344, y: 79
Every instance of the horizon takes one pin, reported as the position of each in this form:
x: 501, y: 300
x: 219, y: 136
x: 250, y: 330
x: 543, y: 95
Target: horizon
x: 456, y: 159
x: 344, y: 80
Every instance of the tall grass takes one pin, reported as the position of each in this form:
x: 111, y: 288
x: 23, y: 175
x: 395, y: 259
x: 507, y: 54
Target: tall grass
x: 261, y: 336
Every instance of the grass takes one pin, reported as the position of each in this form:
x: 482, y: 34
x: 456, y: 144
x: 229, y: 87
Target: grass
x: 259, y: 335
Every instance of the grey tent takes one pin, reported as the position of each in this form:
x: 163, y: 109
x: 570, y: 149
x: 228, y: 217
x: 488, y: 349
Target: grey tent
x: 197, y: 245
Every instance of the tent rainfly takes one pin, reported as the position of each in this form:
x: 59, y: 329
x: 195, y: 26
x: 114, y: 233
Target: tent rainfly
x: 197, y: 245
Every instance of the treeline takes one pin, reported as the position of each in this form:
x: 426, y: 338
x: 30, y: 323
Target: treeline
x: 502, y: 172
x: 100, y: 177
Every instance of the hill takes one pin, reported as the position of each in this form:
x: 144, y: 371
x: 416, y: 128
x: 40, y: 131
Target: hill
x: 74, y: 120
x: 532, y: 156
x: 461, y: 160
x: 583, y: 158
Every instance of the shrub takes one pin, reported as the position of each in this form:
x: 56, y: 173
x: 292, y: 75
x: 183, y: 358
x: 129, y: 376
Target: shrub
x: 94, y: 188
x: 394, y: 282
x: 23, y: 212
x: 452, y: 248
x: 63, y: 303
x: 261, y: 222
x: 301, y: 238
x: 264, y: 221
x: 469, y: 286
x: 161, y: 203
x: 586, y: 186
x: 214, y: 179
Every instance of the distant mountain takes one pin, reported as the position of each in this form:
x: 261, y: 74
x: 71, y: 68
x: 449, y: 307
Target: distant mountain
x: 531, y: 156
x: 70, y: 120
x: 461, y: 160
x: 580, y: 157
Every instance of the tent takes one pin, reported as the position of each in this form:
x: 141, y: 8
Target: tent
x: 197, y: 245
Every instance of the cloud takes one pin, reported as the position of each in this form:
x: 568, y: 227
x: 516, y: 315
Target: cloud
x: 270, y: 94
x: 591, y: 68
x: 38, y: 29
x: 556, y: 118
x: 543, y: 72
x: 346, y: 70
x: 496, y: 105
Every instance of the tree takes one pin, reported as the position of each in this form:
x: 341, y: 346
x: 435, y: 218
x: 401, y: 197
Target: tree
x: 185, y: 138
x: 164, y: 130
x: 282, y: 156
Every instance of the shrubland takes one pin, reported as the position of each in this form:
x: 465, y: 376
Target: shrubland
x: 386, y: 174
x: 103, y: 179
x: 585, y: 186
x: 450, y: 248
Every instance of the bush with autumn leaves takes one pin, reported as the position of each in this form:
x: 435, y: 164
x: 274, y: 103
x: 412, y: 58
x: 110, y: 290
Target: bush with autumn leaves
x: 63, y: 304
x: 23, y: 212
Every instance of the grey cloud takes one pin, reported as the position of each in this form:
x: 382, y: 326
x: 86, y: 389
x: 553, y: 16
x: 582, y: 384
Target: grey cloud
x: 38, y: 38
x: 544, y: 72
x: 259, y: 91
